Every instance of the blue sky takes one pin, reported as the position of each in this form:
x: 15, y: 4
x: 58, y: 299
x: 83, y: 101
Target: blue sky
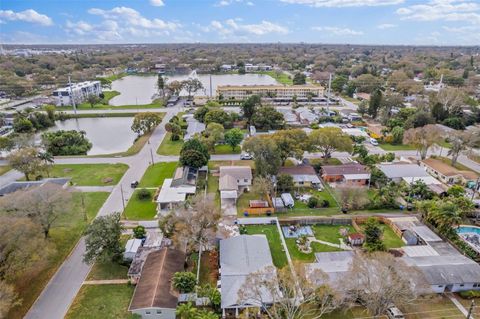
x: 418, y: 22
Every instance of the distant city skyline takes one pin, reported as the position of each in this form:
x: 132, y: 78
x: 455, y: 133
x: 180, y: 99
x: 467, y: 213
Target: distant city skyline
x: 389, y: 22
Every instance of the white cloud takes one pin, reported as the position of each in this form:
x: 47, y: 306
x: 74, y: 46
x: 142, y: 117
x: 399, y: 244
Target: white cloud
x: 344, y: 3
x: 29, y: 15
x: 133, y: 18
x: 338, y: 31
x: 157, y: 3
x: 386, y: 26
x: 235, y: 27
x: 445, y: 10
x: 224, y: 3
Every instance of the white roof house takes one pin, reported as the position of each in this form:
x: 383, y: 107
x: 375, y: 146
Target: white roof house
x: 241, y: 256
x: 232, y: 179
x: 194, y: 127
x: 170, y: 196
x: 397, y: 172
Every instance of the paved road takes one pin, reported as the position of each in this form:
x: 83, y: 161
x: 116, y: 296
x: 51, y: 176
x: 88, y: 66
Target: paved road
x: 55, y: 299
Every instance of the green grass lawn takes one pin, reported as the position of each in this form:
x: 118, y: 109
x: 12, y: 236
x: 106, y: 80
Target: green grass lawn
x: 390, y: 239
x: 108, y: 270
x: 102, y: 302
x: 212, y: 188
x: 156, y: 174
x: 90, y: 174
x: 393, y: 148
x: 278, y: 254
x: 86, y: 106
x: 140, y: 209
x: 4, y: 169
x: 243, y: 201
x: 64, y: 235
x: 296, y: 254
x: 282, y: 77
x: 325, y: 161
x: 226, y: 149
x: 104, y: 102
x: 330, y: 233
x: 169, y: 147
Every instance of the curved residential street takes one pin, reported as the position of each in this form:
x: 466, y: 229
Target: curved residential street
x: 55, y: 299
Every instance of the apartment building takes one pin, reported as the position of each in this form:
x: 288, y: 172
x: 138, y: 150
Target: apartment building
x: 78, y: 92
x: 260, y: 67
x: 242, y: 92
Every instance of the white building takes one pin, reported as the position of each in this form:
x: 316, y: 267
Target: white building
x: 260, y: 67
x: 77, y: 92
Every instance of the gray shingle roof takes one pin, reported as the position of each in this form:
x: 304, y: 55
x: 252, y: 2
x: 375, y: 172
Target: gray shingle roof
x: 241, y: 256
x: 402, y: 170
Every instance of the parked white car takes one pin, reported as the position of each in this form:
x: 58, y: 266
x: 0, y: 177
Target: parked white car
x: 373, y: 141
x: 246, y: 156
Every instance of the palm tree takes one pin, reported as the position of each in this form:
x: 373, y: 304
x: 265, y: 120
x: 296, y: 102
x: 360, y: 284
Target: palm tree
x: 204, y: 314
x: 186, y: 311
x: 446, y: 216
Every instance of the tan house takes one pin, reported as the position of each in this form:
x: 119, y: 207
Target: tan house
x: 352, y: 174
x: 233, y: 179
x: 303, y: 175
x: 154, y: 297
x: 447, y: 173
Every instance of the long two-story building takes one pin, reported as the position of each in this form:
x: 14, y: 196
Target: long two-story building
x: 285, y: 92
x: 77, y: 92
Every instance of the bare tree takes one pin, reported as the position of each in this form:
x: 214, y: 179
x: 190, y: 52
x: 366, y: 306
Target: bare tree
x: 461, y: 141
x: 263, y: 186
x: 8, y: 298
x: 422, y: 138
x: 43, y: 204
x: 196, y: 226
x: 290, y: 296
x: 451, y: 99
x: 352, y: 197
x: 378, y: 280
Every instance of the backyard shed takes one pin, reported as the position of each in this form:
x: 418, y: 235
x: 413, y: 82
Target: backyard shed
x: 288, y: 199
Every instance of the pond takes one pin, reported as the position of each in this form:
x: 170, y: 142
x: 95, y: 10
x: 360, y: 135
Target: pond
x: 108, y: 135
x: 140, y: 90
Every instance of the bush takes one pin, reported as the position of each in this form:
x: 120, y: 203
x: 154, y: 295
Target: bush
x: 175, y: 137
x: 325, y: 203
x: 139, y: 232
x: 144, y: 194
x: 312, y: 202
x: 469, y: 294
x: 184, y: 282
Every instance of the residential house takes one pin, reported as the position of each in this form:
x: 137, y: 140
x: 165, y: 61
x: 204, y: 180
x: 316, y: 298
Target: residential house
x: 24, y: 185
x: 171, y: 197
x: 447, y: 173
x: 306, y: 116
x: 362, y: 96
x: 397, y: 172
x: 351, y: 174
x: 233, y: 180
x: 444, y: 268
x: 303, y: 175
x: 154, y: 297
x: 334, y: 264
x: 241, y: 256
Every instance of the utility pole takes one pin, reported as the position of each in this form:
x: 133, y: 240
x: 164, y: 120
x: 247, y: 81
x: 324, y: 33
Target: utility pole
x: 151, y: 156
x: 469, y: 316
x: 211, y: 86
x: 71, y: 96
x: 123, y: 198
x: 328, y: 93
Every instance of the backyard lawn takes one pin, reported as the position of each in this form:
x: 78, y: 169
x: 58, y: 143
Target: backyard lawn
x: 64, y: 235
x: 390, y: 239
x: 274, y: 241
x: 212, y: 188
x: 330, y: 233
x: 90, y: 174
x: 296, y: 254
x: 226, y: 149
x: 156, y: 174
x: 140, y: 209
x: 243, y: 201
x: 102, y: 302
x: 281, y: 77
x: 169, y: 147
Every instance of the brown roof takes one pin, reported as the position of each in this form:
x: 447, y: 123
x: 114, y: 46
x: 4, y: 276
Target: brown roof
x: 448, y: 170
x: 154, y: 287
x: 345, y: 169
x: 298, y: 170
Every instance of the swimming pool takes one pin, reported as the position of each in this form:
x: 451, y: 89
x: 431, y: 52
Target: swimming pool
x: 468, y: 229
